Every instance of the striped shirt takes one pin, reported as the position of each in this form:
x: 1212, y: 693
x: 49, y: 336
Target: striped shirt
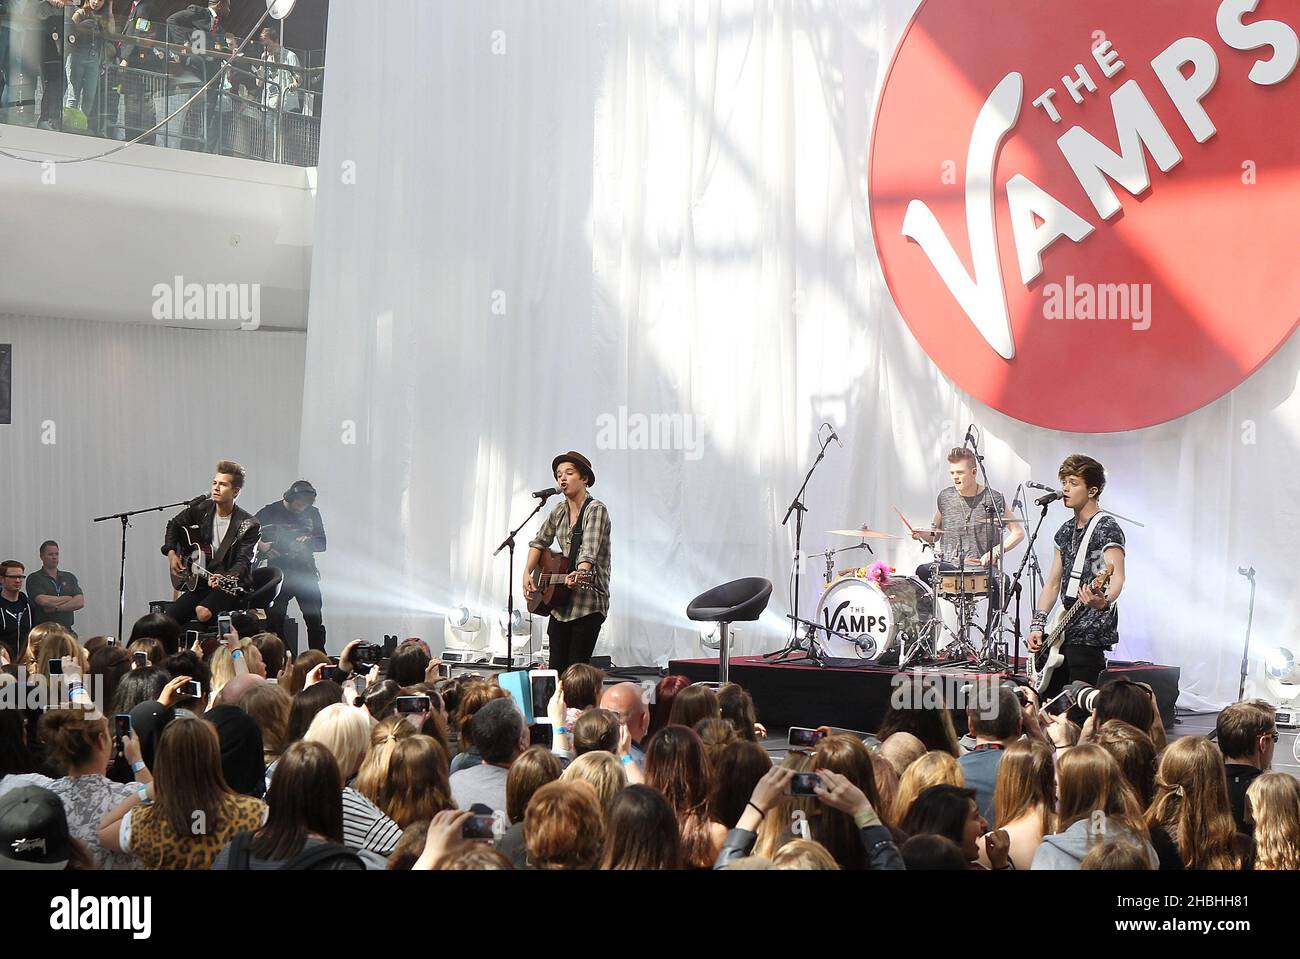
x: 365, y: 826
x: 594, y: 550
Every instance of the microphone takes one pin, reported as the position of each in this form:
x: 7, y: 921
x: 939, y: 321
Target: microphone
x: 1046, y: 489
x: 836, y: 437
x: 545, y: 494
x: 1051, y: 497
x: 970, y: 441
x: 1248, y: 573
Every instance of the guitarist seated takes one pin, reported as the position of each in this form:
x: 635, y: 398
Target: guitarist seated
x: 1094, y: 630
x: 576, y: 620
x: 228, y: 538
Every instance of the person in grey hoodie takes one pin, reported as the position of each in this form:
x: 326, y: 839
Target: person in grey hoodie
x: 1095, y: 803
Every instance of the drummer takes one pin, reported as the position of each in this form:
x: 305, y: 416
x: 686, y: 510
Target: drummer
x: 964, y: 509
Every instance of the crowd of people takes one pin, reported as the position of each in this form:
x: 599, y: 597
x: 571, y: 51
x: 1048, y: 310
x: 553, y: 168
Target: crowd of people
x: 152, y: 755
x: 54, y: 55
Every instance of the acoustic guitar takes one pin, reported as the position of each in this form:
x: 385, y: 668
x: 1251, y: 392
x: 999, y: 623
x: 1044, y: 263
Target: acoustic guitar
x: 194, y: 574
x: 550, y: 588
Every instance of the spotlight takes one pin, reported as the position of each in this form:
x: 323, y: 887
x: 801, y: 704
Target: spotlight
x: 463, y: 621
x: 709, y: 636
x: 1280, y: 665
x: 518, y: 626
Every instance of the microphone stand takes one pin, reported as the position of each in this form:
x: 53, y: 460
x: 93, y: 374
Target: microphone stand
x: 121, y: 574
x: 798, y: 508
x: 509, y: 543
x: 1250, y: 618
x: 1029, y: 560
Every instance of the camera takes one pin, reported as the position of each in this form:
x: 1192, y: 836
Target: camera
x: 365, y: 655
x: 413, y: 704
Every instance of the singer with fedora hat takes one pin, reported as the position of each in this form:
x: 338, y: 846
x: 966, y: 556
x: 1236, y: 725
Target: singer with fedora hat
x: 292, y: 534
x: 581, y: 518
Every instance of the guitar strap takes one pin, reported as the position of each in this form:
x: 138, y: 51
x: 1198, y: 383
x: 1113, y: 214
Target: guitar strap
x: 1076, y: 571
x: 575, y: 535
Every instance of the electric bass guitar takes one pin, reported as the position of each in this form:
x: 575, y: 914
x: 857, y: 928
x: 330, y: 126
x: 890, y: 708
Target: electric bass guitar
x: 194, y: 572
x: 1044, y: 663
x: 550, y: 586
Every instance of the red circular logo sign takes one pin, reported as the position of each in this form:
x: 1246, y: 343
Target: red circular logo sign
x: 1086, y: 212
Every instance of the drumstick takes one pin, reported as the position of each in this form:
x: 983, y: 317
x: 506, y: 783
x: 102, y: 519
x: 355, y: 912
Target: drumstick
x: 904, y: 519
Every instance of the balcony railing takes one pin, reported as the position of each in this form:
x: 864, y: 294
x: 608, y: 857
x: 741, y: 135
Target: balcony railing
x: 125, y: 81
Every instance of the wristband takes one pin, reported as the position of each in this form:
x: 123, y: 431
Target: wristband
x: 563, y: 731
x: 864, y: 819
x: 143, y: 789
x: 237, y: 654
x: 626, y: 759
x: 756, y: 808
x: 137, y: 766
x: 75, y: 685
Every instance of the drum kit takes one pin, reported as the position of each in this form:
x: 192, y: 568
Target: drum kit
x: 870, y: 615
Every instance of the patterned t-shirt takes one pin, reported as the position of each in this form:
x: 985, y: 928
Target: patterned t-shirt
x: 86, y: 799
x: 965, y: 522
x: 1091, y: 627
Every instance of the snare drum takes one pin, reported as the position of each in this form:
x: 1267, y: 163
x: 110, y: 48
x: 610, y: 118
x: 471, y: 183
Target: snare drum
x: 973, y: 581
x: 871, y: 619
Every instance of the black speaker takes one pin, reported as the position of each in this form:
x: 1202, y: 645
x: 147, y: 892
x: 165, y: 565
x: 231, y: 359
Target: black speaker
x: 1163, y: 679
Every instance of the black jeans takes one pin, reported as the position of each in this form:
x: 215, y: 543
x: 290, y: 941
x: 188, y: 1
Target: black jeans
x: 218, y: 601
x: 573, y: 642
x: 305, y: 587
x: 1082, y: 663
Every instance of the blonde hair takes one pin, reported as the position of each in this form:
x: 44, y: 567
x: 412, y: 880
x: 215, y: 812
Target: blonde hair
x: 1114, y: 854
x: 222, y: 665
x: 774, y: 831
x: 935, y: 768
x: 1192, y: 805
x: 343, y: 730
x: 1089, y: 779
x: 374, y: 769
x: 1275, y: 805
x: 1026, y: 782
x: 902, y: 749
x: 54, y: 642
x: 601, y: 771
x: 803, y: 854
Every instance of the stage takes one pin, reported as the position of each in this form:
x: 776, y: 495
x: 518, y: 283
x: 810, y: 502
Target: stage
x: 855, y: 698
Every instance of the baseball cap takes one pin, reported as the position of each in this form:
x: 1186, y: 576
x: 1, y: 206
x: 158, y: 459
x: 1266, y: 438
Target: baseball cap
x: 33, y: 830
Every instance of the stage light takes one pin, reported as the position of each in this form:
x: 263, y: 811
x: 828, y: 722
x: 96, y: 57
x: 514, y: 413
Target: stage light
x: 709, y: 636
x: 279, y: 9
x: 1280, y: 665
x: 463, y: 621
x: 519, y: 626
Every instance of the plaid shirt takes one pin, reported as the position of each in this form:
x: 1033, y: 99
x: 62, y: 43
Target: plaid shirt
x: 594, y: 550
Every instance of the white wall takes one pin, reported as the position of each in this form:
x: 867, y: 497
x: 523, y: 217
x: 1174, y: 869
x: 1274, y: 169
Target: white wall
x: 91, y: 240
x: 109, y: 417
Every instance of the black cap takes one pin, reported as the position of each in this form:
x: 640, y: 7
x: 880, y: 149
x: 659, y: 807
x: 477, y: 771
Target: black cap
x: 300, y: 488
x: 33, y: 830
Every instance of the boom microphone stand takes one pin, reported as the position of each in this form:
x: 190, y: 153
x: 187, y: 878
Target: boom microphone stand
x: 1250, y: 618
x: 509, y: 543
x: 798, y: 508
x: 121, y: 575
x: 1029, y: 560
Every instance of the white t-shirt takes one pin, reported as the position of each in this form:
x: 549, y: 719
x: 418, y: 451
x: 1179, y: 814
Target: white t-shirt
x: 219, y: 526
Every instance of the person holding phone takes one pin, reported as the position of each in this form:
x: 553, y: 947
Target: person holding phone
x: 580, y: 526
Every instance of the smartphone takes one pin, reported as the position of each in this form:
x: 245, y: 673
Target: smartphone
x: 121, y: 725
x: 444, y: 671
x: 542, y: 684
x: 802, y: 736
x: 414, y: 704
x: 541, y: 734
x: 360, y: 683
x: 141, y: 659
x: 191, y: 637
x: 193, y: 689
x: 1059, y: 705
x: 223, y: 627
x: 478, y: 829
x: 56, y: 667
x: 805, y: 784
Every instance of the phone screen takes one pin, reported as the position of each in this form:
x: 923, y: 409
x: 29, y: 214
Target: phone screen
x: 477, y: 828
x: 122, y: 725
x: 541, y: 734
x: 1060, y: 704
x: 543, y: 689
x: 141, y: 659
x: 414, y: 704
x: 56, y: 667
x: 802, y: 736
x: 194, y: 689
x: 805, y: 784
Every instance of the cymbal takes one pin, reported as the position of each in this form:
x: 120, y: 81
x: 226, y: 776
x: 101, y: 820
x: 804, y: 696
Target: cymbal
x: 930, y: 530
x: 863, y: 532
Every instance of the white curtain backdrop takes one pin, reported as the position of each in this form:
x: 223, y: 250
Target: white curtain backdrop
x: 110, y: 417
x: 639, y: 229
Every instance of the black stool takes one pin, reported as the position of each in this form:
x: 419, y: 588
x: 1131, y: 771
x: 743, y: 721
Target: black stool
x: 740, y: 601
x: 266, y: 586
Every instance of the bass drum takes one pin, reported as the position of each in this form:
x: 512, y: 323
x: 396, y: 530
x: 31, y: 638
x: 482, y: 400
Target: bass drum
x: 864, y: 620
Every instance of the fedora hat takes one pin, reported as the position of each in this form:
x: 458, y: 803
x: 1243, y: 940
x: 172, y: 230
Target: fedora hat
x: 578, y: 460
